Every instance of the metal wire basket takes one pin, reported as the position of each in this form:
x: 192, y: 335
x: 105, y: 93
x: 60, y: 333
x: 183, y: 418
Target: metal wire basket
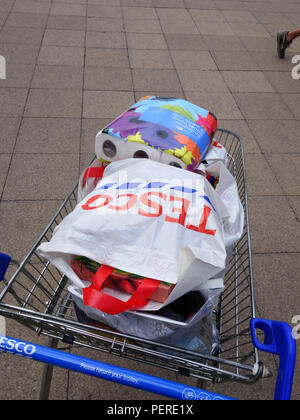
x: 36, y: 295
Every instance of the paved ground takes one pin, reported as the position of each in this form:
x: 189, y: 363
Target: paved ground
x: 74, y: 65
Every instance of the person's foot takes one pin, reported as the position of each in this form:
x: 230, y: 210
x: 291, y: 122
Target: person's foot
x: 282, y: 43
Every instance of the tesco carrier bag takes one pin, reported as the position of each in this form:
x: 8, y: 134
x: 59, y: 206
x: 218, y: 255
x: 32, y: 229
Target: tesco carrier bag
x: 163, y: 225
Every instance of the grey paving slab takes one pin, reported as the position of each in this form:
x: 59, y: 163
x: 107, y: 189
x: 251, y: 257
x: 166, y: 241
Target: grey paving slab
x: 57, y: 77
x: 146, y: 41
x: 6, y: 5
x: 283, y: 82
x: 21, y: 35
x: 3, y: 16
x: 292, y: 101
x: 273, y: 224
x: 211, y: 28
x: 105, y: 39
x: 9, y: 129
x: 265, y: 45
x: 105, y: 24
x: 106, y: 57
x: 146, y: 26
x: 178, y: 4
x: 19, y: 76
x: 223, y: 43
x: 107, y: 79
x: 203, y: 81
x: 221, y: 104
x: 137, y: 3
x: 76, y: 23
x: 113, y: 3
x: 155, y: 92
x: 260, y: 177
x: 199, y: 16
x: 22, y: 222
x: 242, y: 129
x: 258, y: 6
x: 176, y: 21
x: 234, y: 60
x: 48, y: 135
x: 271, y: 17
x: 256, y: 30
x: 31, y: 6
x: 150, y: 59
x: 166, y: 80
x: 247, y: 81
x: 12, y: 101
x: 49, y: 169
x: 279, y: 164
x: 191, y: 42
x: 295, y: 203
x: 230, y: 5
x: 269, y: 61
x: 54, y: 103
x: 68, y: 9
x: 97, y: 104
x: 26, y: 20
x: 4, y: 166
x: 139, y: 13
x: 192, y: 60
x: 276, y: 136
x: 239, y: 16
x: 261, y: 106
x: 201, y: 4
x: 67, y: 38
x: 19, y: 54
x: 293, y: 17
x: 63, y: 56
x: 103, y: 11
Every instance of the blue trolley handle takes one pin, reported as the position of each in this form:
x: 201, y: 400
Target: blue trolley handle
x: 278, y: 340
x: 102, y: 370
x: 4, y: 263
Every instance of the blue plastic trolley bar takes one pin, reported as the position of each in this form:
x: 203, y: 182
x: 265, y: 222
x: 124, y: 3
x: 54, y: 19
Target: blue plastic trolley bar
x: 105, y: 371
x: 279, y: 340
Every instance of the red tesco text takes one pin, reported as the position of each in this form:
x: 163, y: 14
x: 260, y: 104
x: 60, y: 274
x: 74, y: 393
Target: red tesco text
x: 149, y: 207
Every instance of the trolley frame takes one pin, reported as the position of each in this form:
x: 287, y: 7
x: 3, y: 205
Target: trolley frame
x: 36, y: 296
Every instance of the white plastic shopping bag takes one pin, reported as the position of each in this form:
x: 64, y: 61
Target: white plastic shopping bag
x: 89, y: 179
x: 149, y: 219
x: 216, y: 153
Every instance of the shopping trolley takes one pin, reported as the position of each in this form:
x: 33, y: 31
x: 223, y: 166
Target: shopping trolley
x: 36, y: 295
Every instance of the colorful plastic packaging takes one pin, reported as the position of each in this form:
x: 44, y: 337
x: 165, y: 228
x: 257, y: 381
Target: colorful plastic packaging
x: 168, y: 130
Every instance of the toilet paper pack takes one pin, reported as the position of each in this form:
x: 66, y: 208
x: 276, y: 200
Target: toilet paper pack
x: 167, y: 130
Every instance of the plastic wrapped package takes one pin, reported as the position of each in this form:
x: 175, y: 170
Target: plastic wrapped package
x: 196, y: 333
x: 167, y: 130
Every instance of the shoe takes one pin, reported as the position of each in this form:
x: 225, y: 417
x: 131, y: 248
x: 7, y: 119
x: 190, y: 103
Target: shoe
x: 282, y: 43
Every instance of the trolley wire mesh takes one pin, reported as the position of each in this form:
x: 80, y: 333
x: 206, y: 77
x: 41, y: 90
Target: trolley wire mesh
x: 36, y: 295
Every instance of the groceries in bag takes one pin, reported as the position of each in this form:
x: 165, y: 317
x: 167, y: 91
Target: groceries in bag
x: 146, y: 248
x: 94, y: 173
x: 118, y: 279
x: 149, y: 219
x: 186, y: 323
x: 167, y: 130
